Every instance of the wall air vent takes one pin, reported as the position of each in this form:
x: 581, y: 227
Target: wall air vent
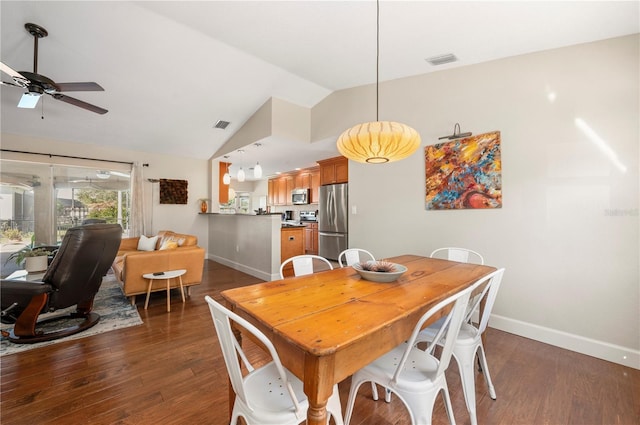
x: 442, y: 59
x: 221, y: 124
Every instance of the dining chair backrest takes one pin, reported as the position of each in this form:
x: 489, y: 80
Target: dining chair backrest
x: 305, y: 264
x: 231, y: 351
x: 462, y: 255
x: 469, y: 344
x: 447, y: 334
x: 489, y: 293
x: 354, y: 255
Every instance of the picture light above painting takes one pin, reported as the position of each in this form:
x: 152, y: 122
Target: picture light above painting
x: 464, y: 173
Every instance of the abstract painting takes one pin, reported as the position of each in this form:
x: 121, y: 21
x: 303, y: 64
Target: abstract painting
x: 464, y: 173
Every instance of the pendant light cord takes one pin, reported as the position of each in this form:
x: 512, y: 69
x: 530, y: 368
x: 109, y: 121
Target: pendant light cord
x: 377, y: 54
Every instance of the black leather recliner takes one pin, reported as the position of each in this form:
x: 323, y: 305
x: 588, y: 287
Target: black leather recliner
x: 73, y: 278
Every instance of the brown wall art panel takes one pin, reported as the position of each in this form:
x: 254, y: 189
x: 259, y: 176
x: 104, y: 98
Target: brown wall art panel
x: 173, y: 191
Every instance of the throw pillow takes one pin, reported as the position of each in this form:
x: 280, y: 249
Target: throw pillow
x: 147, y: 244
x: 177, y: 240
x: 168, y: 244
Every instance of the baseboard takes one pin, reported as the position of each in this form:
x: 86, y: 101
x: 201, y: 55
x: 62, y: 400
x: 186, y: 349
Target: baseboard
x: 260, y: 274
x: 599, y: 349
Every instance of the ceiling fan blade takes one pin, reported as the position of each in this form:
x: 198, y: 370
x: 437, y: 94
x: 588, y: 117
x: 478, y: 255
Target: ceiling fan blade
x: 19, y: 79
x: 87, y: 86
x: 79, y: 103
x: 8, y: 83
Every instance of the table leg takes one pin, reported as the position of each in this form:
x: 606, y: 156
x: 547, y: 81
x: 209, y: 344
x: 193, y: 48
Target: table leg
x: 168, y: 294
x: 146, y: 302
x: 181, y: 288
x: 318, y: 387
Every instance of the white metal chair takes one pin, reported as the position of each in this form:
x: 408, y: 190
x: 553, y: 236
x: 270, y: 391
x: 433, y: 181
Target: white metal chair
x: 354, y: 255
x: 468, y: 344
x: 417, y: 376
x: 267, y: 395
x: 462, y: 255
x: 304, y: 264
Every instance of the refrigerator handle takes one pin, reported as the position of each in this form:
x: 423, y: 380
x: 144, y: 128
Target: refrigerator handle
x: 333, y: 235
x: 334, y: 211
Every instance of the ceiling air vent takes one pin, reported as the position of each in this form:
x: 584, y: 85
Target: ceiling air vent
x: 442, y: 59
x: 221, y: 124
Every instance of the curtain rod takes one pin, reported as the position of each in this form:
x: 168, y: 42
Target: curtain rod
x: 70, y: 156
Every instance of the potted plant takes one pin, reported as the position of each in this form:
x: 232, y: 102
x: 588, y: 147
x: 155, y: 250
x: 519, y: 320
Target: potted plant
x: 35, y: 258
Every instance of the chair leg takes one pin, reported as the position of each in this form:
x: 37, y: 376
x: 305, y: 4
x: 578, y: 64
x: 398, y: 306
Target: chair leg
x: 482, y: 358
x: 374, y: 391
x: 465, y: 357
x: 334, y: 408
x: 26, y: 324
x: 447, y: 404
x: 353, y: 391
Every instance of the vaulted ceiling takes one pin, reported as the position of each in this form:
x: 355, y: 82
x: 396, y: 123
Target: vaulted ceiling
x: 171, y: 69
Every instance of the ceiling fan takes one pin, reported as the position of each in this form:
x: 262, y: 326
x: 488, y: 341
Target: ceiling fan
x: 37, y: 84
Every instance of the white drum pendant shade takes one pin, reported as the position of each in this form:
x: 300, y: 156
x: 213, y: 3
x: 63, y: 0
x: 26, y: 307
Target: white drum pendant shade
x: 378, y: 142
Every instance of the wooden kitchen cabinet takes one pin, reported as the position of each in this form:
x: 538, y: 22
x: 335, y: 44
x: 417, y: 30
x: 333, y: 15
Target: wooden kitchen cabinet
x: 302, y: 181
x: 271, y: 192
x: 334, y: 170
x: 281, y: 191
x: 291, y: 244
x: 290, y: 185
x: 311, y: 238
x: 314, y: 178
x: 280, y: 188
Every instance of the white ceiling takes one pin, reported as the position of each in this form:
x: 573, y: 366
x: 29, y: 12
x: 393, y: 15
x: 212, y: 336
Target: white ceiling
x: 171, y: 69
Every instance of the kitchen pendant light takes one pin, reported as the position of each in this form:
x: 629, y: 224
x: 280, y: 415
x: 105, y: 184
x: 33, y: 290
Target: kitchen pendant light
x: 226, y: 178
x: 240, y: 176
x: 380, y: 141
x: 257, y: 171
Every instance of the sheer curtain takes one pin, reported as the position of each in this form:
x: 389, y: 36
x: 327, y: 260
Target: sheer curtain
x: 136, y: 220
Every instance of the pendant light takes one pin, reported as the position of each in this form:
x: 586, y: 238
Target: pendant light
x: 257, y: 171
x: 380, y: 141
x: 226, y: 178
x: 240, y: 175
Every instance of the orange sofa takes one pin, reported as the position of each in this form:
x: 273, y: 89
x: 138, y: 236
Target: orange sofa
x: 130, y: 263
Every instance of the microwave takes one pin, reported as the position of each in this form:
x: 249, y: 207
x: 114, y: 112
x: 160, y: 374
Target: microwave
x: 300, y: 196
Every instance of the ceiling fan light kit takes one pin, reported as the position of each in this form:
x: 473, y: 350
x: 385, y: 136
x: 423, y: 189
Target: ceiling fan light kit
x: 37, y: 84
x: 378, y: 142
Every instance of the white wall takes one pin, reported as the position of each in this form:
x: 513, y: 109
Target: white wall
x: 179, y: 218
x: 568, y: 231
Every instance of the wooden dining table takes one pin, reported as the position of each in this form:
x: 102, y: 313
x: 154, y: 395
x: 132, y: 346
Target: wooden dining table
x: 327, y: 325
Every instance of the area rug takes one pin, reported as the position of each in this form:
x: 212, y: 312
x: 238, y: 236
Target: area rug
x: 115, y: 310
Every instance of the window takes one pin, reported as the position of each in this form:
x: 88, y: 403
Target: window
x: 44, y: 200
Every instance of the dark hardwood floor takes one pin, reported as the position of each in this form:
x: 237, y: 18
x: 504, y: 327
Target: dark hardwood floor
x: 170, y: 371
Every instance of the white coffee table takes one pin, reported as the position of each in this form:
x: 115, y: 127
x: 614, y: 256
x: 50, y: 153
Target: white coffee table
x: 167, y: 275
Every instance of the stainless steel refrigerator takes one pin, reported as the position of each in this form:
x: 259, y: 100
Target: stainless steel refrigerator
x: 333, y: 224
